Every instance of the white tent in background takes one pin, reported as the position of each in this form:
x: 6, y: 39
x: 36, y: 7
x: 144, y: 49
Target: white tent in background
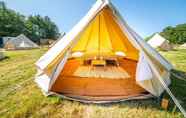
x: 24, y: 45
x: 20, y: 42
x: 157, y: 41
x: 183, y: 46
x: 99, y: 74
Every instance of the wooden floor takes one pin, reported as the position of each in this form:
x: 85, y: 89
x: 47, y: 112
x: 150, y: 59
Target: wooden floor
x: 70, y: 85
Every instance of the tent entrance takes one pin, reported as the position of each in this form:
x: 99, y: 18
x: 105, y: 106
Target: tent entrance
x: 98, y: 88
x: 103, y: 37
x: 102, y: 63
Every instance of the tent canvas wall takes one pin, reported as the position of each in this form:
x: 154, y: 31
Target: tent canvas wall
x: 102, y: 37
x: 19, y: 42
x: 157, y: 41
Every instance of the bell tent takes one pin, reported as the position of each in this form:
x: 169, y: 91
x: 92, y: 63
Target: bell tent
x: 157, y: 41
x: 103, y: 60
x: 20, y: 42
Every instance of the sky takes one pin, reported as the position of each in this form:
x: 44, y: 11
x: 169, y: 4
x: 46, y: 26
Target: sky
x: 144, y: 16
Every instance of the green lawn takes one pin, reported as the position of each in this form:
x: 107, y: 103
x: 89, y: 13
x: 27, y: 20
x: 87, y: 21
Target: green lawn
x: 21, y: 98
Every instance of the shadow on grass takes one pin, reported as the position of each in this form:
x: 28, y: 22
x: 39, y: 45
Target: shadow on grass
x: 5, y: 58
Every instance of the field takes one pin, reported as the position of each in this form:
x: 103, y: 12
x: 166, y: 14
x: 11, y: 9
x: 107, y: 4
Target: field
x: 21, y: 98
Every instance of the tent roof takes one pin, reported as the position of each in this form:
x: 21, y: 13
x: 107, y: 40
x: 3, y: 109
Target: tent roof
x: 157, y: 40
x: 6, y: 39
x: 22, y: 41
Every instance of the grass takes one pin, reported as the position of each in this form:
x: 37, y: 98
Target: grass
x: 26, y: 100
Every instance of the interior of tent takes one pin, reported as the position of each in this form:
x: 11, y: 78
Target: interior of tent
x: 102, y: 64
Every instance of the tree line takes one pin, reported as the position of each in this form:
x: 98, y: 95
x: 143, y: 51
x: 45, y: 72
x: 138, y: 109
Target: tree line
x: 35, y: 27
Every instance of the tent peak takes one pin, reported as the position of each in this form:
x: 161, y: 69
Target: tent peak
x: 106, y: 1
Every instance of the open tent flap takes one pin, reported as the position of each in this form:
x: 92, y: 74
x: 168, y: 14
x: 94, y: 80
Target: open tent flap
x: 44, y: 80
x: 58, y: 69
x: 146, y: 78
x: 143, y: 71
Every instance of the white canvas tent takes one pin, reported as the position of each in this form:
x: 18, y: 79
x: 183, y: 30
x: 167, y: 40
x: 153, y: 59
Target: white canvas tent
x: 151, y: 72
x: 20, y: 42
x: 157, y: 41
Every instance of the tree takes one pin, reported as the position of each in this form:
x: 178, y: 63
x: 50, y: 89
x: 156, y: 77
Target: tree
x: 51, y: 29
x: 175, y: 34
x: 35, y: 27
x: 2, y: 5
x: 11, y: 23
x: 41, y: 28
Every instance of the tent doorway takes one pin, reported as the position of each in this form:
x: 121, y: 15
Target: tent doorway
x: 102, y: 88
x: 102, y: 64
x: 102, y: 58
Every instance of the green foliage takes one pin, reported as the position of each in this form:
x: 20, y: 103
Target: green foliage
x: 11, y: 23
x: 2, y: 5
x: 41, y: 28
x: 176, y: 35
x: 35, y: 27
